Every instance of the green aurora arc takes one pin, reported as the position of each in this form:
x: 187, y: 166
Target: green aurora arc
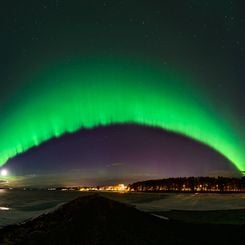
x: 93, y: 92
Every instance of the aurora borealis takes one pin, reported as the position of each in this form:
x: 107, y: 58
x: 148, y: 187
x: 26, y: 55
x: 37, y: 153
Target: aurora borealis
x: 72, y: 66
x: 90, y: 94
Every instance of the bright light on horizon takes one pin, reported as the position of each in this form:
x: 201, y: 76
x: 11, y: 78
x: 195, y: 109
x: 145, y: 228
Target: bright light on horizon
x: 4, y: 172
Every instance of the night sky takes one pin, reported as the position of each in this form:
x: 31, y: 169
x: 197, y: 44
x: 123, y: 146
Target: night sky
x: 70, y: 66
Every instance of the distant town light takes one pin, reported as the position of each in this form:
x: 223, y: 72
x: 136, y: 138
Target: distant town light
x: 115, y: 188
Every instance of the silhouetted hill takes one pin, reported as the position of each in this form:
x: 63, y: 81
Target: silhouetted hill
x: 97, y: 220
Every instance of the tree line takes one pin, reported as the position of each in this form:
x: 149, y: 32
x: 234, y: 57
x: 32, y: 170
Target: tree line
x: 191, y: 184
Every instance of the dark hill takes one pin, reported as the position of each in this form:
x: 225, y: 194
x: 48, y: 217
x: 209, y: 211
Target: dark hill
x: 97, y: 220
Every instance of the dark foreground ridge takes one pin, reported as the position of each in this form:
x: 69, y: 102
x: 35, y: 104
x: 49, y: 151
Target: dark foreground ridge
x: 98, y: 220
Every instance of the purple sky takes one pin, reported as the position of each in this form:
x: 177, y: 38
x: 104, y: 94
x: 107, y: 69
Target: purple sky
x: 119, y: 153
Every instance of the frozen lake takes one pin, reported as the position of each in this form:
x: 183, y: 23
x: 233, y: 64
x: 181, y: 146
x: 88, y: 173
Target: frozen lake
x: 17, y: 206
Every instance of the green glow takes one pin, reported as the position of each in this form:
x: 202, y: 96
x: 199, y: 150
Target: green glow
x: 89, y: 93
